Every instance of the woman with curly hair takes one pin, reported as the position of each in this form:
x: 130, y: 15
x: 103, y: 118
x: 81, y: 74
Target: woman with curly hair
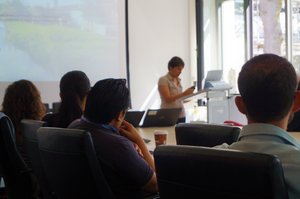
x: 22, y: 100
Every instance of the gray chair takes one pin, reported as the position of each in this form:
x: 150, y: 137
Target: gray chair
x: 47, y: 107
x: 208, y: 135
x: 71, y: 164
x: 29, y: 131
x: 203, y: 172
x: 18, y: 178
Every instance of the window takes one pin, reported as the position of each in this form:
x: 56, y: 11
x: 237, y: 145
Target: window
x: 268, y: 22
x: 236, y: 30
x: 224, y: 38
x: 295, y: 33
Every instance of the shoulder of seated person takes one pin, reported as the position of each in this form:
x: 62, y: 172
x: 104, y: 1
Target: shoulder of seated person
x: 74, y: 124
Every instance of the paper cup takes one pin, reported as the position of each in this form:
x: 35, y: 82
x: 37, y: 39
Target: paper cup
x: 160, y: 137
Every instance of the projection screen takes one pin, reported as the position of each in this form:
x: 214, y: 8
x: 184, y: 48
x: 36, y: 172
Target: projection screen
x: 40, y: 40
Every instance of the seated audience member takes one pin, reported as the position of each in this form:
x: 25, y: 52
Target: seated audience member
x: 74, y: 87
x: 123, y: 155
x: 22, y: 100
x: 267, y: 84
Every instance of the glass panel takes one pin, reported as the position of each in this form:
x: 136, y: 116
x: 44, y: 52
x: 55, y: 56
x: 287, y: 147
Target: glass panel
x: 269, y: 27
x: 210, y: 45
x: 224, y: 38
x: 295, y: 24
x: 232, y: 40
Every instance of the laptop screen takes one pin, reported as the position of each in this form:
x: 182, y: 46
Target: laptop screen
x: 214, y: 75
x: 161, y: 117
x: 134, y: 117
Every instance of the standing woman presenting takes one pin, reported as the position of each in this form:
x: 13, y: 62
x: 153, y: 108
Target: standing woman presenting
x: 170, y: 88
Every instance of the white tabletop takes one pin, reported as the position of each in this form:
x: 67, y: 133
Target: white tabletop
x: 148, y: 133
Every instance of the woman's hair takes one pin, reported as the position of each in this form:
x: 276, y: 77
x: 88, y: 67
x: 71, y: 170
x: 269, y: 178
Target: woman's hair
x: 74, y: 87
x: 22, y: 100
x: 174, y: 62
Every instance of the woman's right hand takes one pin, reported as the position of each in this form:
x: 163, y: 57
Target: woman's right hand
x: 189, y: 91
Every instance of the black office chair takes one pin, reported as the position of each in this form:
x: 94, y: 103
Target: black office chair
x: 202, y: 172
x: 29, y: 131
x: 208, y: 135
x: 71, y: 165
x: 18, y: 178
x: 47, y: 107
x: 2, y: 188
x: 55, y: 107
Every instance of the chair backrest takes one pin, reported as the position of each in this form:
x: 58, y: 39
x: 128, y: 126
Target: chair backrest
x: 18, y: 179
x: 29, y: 131
x: 71, y: 164
x: 47, y: 107
x: 55, y: 107
x: 203, y: 172
x: 208, y: 135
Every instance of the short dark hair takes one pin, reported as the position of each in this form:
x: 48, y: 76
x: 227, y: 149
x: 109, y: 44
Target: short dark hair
x: 174, y: 62
x: 267, y: 84
x: 106, y: 100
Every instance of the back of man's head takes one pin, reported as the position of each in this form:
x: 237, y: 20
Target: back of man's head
x: 267, y: 84
x: 106, y: 100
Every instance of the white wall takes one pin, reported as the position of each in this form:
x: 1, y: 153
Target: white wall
x: 158, y: 30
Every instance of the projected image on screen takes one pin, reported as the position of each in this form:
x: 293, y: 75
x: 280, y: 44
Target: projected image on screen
x: 40, y: 40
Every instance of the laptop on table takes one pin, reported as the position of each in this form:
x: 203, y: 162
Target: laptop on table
x: 161, y: 117
x: 134, y: 117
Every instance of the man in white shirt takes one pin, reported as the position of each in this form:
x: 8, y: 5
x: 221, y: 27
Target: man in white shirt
x: 268, y: 88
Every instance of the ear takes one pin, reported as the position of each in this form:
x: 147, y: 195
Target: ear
x: 121, y: 116
x: 240, y: 104
x: 296, y: 106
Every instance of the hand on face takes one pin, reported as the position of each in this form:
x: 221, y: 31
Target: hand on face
x: 130, y: 132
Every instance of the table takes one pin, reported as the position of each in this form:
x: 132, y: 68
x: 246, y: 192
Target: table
x: 148, y: 132
x: 296, y: 135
